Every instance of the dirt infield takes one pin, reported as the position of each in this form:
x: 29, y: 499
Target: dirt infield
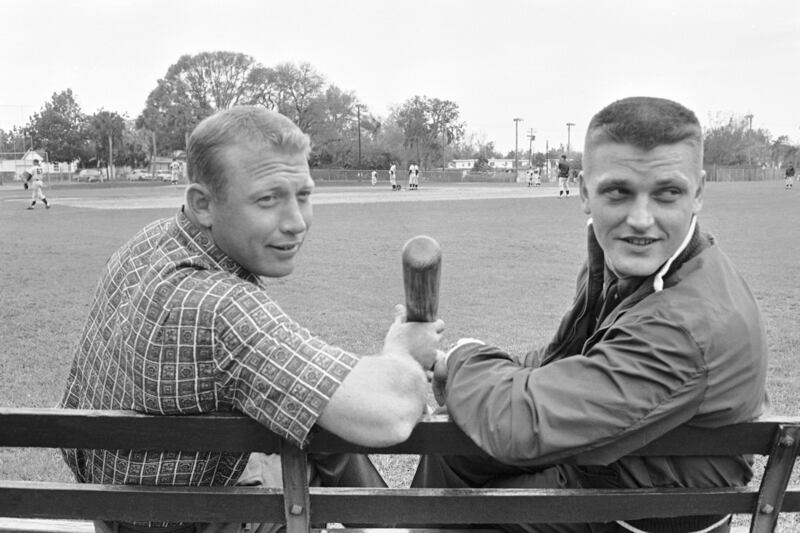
x: 160, y: 197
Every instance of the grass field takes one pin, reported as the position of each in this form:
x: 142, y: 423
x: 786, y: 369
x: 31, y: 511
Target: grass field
x: 509, y: 266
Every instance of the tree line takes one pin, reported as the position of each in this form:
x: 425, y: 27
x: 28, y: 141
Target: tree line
x: 345, y: 133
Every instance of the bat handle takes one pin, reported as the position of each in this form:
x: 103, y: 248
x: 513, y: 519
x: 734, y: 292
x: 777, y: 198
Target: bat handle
x: 422, y: 261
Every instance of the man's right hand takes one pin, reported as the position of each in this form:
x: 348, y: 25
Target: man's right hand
x: 439, y: 373
x: 439, y: 379
x: 420, y: 340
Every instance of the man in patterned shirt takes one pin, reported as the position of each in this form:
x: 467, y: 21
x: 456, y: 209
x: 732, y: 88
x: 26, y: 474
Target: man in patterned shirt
x: 182, y: 323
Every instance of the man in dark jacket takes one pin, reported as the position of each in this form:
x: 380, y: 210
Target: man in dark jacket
x: 663, y: 332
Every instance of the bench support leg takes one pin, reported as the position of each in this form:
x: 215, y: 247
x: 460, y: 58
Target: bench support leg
x: 776, y: 478
x: 296, y: 501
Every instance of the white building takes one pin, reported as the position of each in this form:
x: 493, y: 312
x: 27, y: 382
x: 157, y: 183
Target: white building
x: 16, y: 167
x: 494, y: 163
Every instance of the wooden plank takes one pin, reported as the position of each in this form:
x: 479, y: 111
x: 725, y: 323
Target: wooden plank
x: 498, y: 506
x: 57, y: 428
x: 73, y: 428
x: 378, y: 506
x: 129, y: 503
x: 30, y: 525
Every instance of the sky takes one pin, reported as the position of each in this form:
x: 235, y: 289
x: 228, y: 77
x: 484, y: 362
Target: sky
x: 547, y: 62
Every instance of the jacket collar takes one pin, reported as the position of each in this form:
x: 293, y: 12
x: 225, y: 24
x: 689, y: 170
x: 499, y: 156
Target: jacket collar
x: 694, y: 243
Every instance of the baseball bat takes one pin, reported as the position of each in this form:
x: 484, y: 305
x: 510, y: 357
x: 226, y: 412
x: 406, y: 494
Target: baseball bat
x: 422, y: 262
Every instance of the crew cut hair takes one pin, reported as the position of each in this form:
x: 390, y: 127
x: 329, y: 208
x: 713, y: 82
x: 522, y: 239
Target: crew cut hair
x: 239, y: 125
x: 644, y: 122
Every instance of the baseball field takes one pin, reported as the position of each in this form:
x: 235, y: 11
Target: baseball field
x: 510, y: 257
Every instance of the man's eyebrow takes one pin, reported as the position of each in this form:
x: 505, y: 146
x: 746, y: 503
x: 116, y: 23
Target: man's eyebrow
x: 673, y: 179
x: 612, y: 182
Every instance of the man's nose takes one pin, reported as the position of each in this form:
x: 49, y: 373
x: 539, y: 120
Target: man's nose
x: 640, y: 215
x: 293, y: 217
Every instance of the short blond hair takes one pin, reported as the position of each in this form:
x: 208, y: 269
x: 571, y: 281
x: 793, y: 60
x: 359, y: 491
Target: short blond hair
x: 233, y: 127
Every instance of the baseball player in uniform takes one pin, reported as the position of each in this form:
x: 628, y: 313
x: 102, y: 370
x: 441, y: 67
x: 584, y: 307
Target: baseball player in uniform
x: 374, y: 177
x: 393, y: 176
x: 35, y: 181
x: 413, y: 176
x: 563, y: 177
x: 176, y: 169
x: 789, y: 177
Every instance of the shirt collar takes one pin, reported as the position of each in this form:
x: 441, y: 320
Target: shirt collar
x: 201, y: 242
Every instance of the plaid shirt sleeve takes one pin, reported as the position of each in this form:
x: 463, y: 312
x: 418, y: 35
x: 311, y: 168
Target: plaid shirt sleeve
x: 270, y: 367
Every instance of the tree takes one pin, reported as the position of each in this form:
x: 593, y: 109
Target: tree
x: 196, y: 87
x: 298, y: 92
x: 730, y: 141
x: 333, y: 128
x: 107, y: 129
x: 60, y: 129
x: 429, y: 126
x: 136, y: 146
x: 783, y: 153
x: 16, y: 140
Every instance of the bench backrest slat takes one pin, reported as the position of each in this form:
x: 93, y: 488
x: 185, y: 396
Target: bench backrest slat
x: 300, y: 506
x: 64, y: 428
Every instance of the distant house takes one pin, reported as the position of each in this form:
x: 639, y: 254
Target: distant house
x: 13, y: 168
x: 462, y: 164
x: 162, y: 163
x: 495, y: 163
x: 507, y: 164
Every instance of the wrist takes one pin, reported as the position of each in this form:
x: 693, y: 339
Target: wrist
x: 460, y: 343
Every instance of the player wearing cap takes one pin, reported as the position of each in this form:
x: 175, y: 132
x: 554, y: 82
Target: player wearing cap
x: 563, y: 177
x: 35, y: 181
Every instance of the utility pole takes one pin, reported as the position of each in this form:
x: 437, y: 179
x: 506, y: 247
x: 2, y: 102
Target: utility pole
x: 444, y: 145
x: 546, y: 160
x: 569, y: 127
x: 516, y: 146
x: 110, y: 158
x: 749, y: 118
x: 358, y: 110
x: 153, y: 159
x: 531, y: 138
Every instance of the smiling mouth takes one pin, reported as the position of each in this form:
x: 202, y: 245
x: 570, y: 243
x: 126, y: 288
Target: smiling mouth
x: 286, y: 247
x: 639, y: 241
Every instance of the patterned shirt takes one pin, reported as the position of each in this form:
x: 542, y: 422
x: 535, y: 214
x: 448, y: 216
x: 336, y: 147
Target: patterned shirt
x: 177, y: 327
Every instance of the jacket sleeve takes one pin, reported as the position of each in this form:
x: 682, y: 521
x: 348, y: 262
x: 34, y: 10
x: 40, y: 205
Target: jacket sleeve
x: 641, y: 380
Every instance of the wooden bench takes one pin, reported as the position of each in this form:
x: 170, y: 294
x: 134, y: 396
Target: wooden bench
x: 301, y: 506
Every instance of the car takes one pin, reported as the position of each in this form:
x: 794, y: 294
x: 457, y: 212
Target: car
x: 166, y: 176
x: 89, y: 175
x: 140, y: 174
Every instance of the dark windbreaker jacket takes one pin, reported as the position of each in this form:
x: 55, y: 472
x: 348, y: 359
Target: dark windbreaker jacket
x: 692, y: 353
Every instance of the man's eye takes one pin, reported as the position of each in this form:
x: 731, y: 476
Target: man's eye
x: 669, y: 195
x: 303, y: 195
x: 268, y: 200
x: 616, y: 193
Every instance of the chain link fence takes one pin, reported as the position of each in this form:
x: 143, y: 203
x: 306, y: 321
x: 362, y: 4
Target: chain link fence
x: 325, y: 175
x: 723, y: 173
x: 350, y: 176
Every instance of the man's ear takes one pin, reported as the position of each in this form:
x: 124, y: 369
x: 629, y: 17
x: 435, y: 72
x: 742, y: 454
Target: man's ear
x: 200, y: 204
x: 584, y: 192
x: 699, y: 193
